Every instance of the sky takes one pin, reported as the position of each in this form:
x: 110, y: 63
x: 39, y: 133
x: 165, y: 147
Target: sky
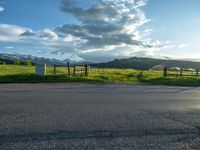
x: 101, y: 30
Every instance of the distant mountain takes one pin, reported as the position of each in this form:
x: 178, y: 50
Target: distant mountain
x: 10, y: 58
x: 146, y: 63
x: 134, y: 62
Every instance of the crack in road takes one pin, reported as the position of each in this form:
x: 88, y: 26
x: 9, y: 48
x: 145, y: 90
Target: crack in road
x: 171, y: 119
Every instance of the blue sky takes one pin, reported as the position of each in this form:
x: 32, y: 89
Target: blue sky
x: 101, y: 30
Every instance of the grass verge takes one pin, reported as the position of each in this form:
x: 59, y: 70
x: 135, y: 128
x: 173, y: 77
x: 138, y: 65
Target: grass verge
x: 25, y: 74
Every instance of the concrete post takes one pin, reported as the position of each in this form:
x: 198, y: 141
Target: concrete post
x: 40, y: 69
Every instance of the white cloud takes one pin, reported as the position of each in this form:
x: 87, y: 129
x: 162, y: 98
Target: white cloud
x: 107, y: 25
x: 48, y: 34
x: 70, y: 38
x: 14, y: 33
x: 11, y: 32
x: 28, y: 32
x: 182, y: 46
x: 9, y: 47
x: 1, y: 9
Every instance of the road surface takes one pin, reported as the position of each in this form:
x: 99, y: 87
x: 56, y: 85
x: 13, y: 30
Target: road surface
x: 86, y: 116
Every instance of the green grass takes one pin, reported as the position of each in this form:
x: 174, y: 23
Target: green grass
x: 25, y: 74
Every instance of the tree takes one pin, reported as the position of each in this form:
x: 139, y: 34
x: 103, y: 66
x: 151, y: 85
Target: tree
x: 17, y: 62
x: 28, y: 63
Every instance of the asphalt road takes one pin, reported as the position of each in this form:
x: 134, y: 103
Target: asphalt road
x: 85, y: 116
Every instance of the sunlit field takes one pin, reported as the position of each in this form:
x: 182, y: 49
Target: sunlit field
x: 26, y: 74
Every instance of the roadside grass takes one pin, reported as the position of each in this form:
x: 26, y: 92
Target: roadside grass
x: 179, y: 81
x: 25, y: 74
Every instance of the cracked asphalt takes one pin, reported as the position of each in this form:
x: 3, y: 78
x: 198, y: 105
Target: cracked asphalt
x: 88, y: 116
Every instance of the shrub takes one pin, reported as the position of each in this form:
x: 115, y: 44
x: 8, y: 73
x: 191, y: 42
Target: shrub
x: 17, y: 62
x: 2, y: 62
x: 28, y: 63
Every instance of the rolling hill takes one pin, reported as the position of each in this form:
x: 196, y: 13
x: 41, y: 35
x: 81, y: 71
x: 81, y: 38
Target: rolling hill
x: 146, y: 63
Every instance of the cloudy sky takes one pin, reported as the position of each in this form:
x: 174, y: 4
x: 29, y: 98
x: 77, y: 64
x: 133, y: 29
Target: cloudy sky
x: 101, y: 30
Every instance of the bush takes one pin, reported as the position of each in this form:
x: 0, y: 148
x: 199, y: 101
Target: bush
x: 17, y: 62
x: 2, y: 62
x: 28, y: 63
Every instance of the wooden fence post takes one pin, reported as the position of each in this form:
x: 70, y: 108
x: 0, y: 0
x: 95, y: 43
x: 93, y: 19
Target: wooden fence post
x: 68, y: 68
x: 54, y: 69
x: 165, y: 72
x: 197, y: 72
x: 86, y: 69
x: 74, y: 70
x: 181, y: 72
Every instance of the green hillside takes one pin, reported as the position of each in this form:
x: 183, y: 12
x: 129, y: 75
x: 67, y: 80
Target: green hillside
x: 146, y: 63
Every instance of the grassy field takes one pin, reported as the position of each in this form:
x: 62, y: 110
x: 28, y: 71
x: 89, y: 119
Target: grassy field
x: 25, y: 74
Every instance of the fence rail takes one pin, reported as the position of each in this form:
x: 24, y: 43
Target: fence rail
x: 181, y: 72
x: 73, y: 70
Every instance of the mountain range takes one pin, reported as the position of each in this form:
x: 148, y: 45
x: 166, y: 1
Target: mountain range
x: 133, y: 62
x: 146, y: 63
x: 10, y: 58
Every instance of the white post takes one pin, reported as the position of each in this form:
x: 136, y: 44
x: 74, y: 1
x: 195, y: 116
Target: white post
x: 40, y: 69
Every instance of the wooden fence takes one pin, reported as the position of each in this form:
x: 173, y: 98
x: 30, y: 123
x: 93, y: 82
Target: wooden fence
x: 74, y: 69
x: 181, y: 72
